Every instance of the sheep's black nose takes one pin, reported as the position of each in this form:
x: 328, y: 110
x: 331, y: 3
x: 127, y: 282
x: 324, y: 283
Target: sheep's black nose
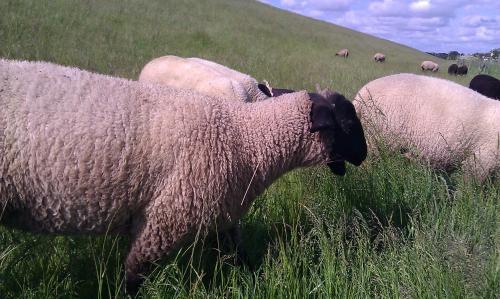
x: 358, y: 155
x: 337, y: 167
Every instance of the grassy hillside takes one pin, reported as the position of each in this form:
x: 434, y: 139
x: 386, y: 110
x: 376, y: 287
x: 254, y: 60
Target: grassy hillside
x: 119, y: 37
x: 388, y: 229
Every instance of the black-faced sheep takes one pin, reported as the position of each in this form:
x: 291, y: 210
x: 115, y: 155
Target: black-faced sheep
x: 429, y: 66
x: 82, y: 153
x: 379, y: 57
x: 202, y: 76
x: 438, y: 121
x: 486, y: 85
x: 452, y: 69
x: 462, y: 70
x: 343, y: 53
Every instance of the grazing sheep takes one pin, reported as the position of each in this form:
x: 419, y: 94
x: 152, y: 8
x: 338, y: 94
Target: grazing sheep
x: 462, y: 70
x: 434, y: 120
x: 429, y: 66
x: 83, y: 153
x: 343, y: 53
x: 486, y: 85
x: 203, y: 76
x: 452, y: 69
x: 379, y: 57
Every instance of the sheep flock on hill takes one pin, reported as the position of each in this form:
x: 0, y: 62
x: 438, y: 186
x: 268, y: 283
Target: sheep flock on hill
x: 189, y: 146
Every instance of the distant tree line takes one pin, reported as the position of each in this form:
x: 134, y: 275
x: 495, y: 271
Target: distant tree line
x: 440, y: 55
x: 493, y: 54
x: 454, y: 55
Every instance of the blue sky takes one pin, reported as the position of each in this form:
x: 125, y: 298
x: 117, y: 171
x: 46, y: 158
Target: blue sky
x: 466, y: 26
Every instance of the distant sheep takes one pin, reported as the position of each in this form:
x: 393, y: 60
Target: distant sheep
x: 343, y: 53
x: 434, y: 120
x: 486, y: 85
x: 429, y: 66
x: 452, y: 69
x: 203, y: 76
x: 462, y: 70
x: 82, y: 153
x: 379, y: 57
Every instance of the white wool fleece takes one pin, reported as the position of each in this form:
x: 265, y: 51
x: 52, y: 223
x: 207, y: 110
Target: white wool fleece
x: 436, y: 120
x: 203, y: 76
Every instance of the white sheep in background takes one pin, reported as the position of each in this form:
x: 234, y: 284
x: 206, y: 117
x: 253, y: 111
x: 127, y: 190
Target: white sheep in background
x: 429, y: 66
x: 434, y: 120
x: 343, y: 53
x: 84, y: 153
x: 379, y: 57
x: 203, y: 76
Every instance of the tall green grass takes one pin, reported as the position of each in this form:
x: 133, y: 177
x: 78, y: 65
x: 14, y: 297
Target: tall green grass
x: 389, y: 228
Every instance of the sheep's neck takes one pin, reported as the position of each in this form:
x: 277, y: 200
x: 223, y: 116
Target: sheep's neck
x: 275, y: 139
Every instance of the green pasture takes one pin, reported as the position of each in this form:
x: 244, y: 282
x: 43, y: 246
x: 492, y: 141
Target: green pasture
x: 388, y: 229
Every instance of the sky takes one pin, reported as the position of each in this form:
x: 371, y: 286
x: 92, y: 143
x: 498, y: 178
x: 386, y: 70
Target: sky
x: 466, y: 26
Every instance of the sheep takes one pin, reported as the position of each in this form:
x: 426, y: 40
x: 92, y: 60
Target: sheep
x: 462, y: 70
x: 343, y: 53
x: 203, y: 76
x: 84, y: 153
x: 452, y: 69
x: 429, y: 66
x: 379, y: 57
x: 434, y: 120
x: 486, y: 85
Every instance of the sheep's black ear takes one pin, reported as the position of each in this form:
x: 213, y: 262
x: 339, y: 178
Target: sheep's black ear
x: 322, y: 114
x: 337, y: 168
x: 265, y: 89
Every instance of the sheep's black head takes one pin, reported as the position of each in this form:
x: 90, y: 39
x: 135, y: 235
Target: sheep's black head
x: 335, y: 118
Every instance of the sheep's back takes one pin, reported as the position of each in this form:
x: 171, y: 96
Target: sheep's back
x: 205, y: 77
x: 443, y: 120
x: 82, y: 152
x: 77, y: 149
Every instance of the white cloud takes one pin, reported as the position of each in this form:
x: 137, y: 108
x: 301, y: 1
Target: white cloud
x: 477, y: 20
x: 388, y: 8
x: 485, y: 34
x: 429, y: 25
x: 330, y: 5
x: 317, y: 5
x: 425, y: 24
x: 288, y: 2
x: 420, y: 5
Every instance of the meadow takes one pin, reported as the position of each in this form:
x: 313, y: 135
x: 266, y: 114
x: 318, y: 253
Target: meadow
x: 388, y: 229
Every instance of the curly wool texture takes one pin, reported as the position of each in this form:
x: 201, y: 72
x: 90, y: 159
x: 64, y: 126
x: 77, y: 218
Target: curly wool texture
x: 88, y: 153
x: 438, y: 121
x: 203, y: 76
